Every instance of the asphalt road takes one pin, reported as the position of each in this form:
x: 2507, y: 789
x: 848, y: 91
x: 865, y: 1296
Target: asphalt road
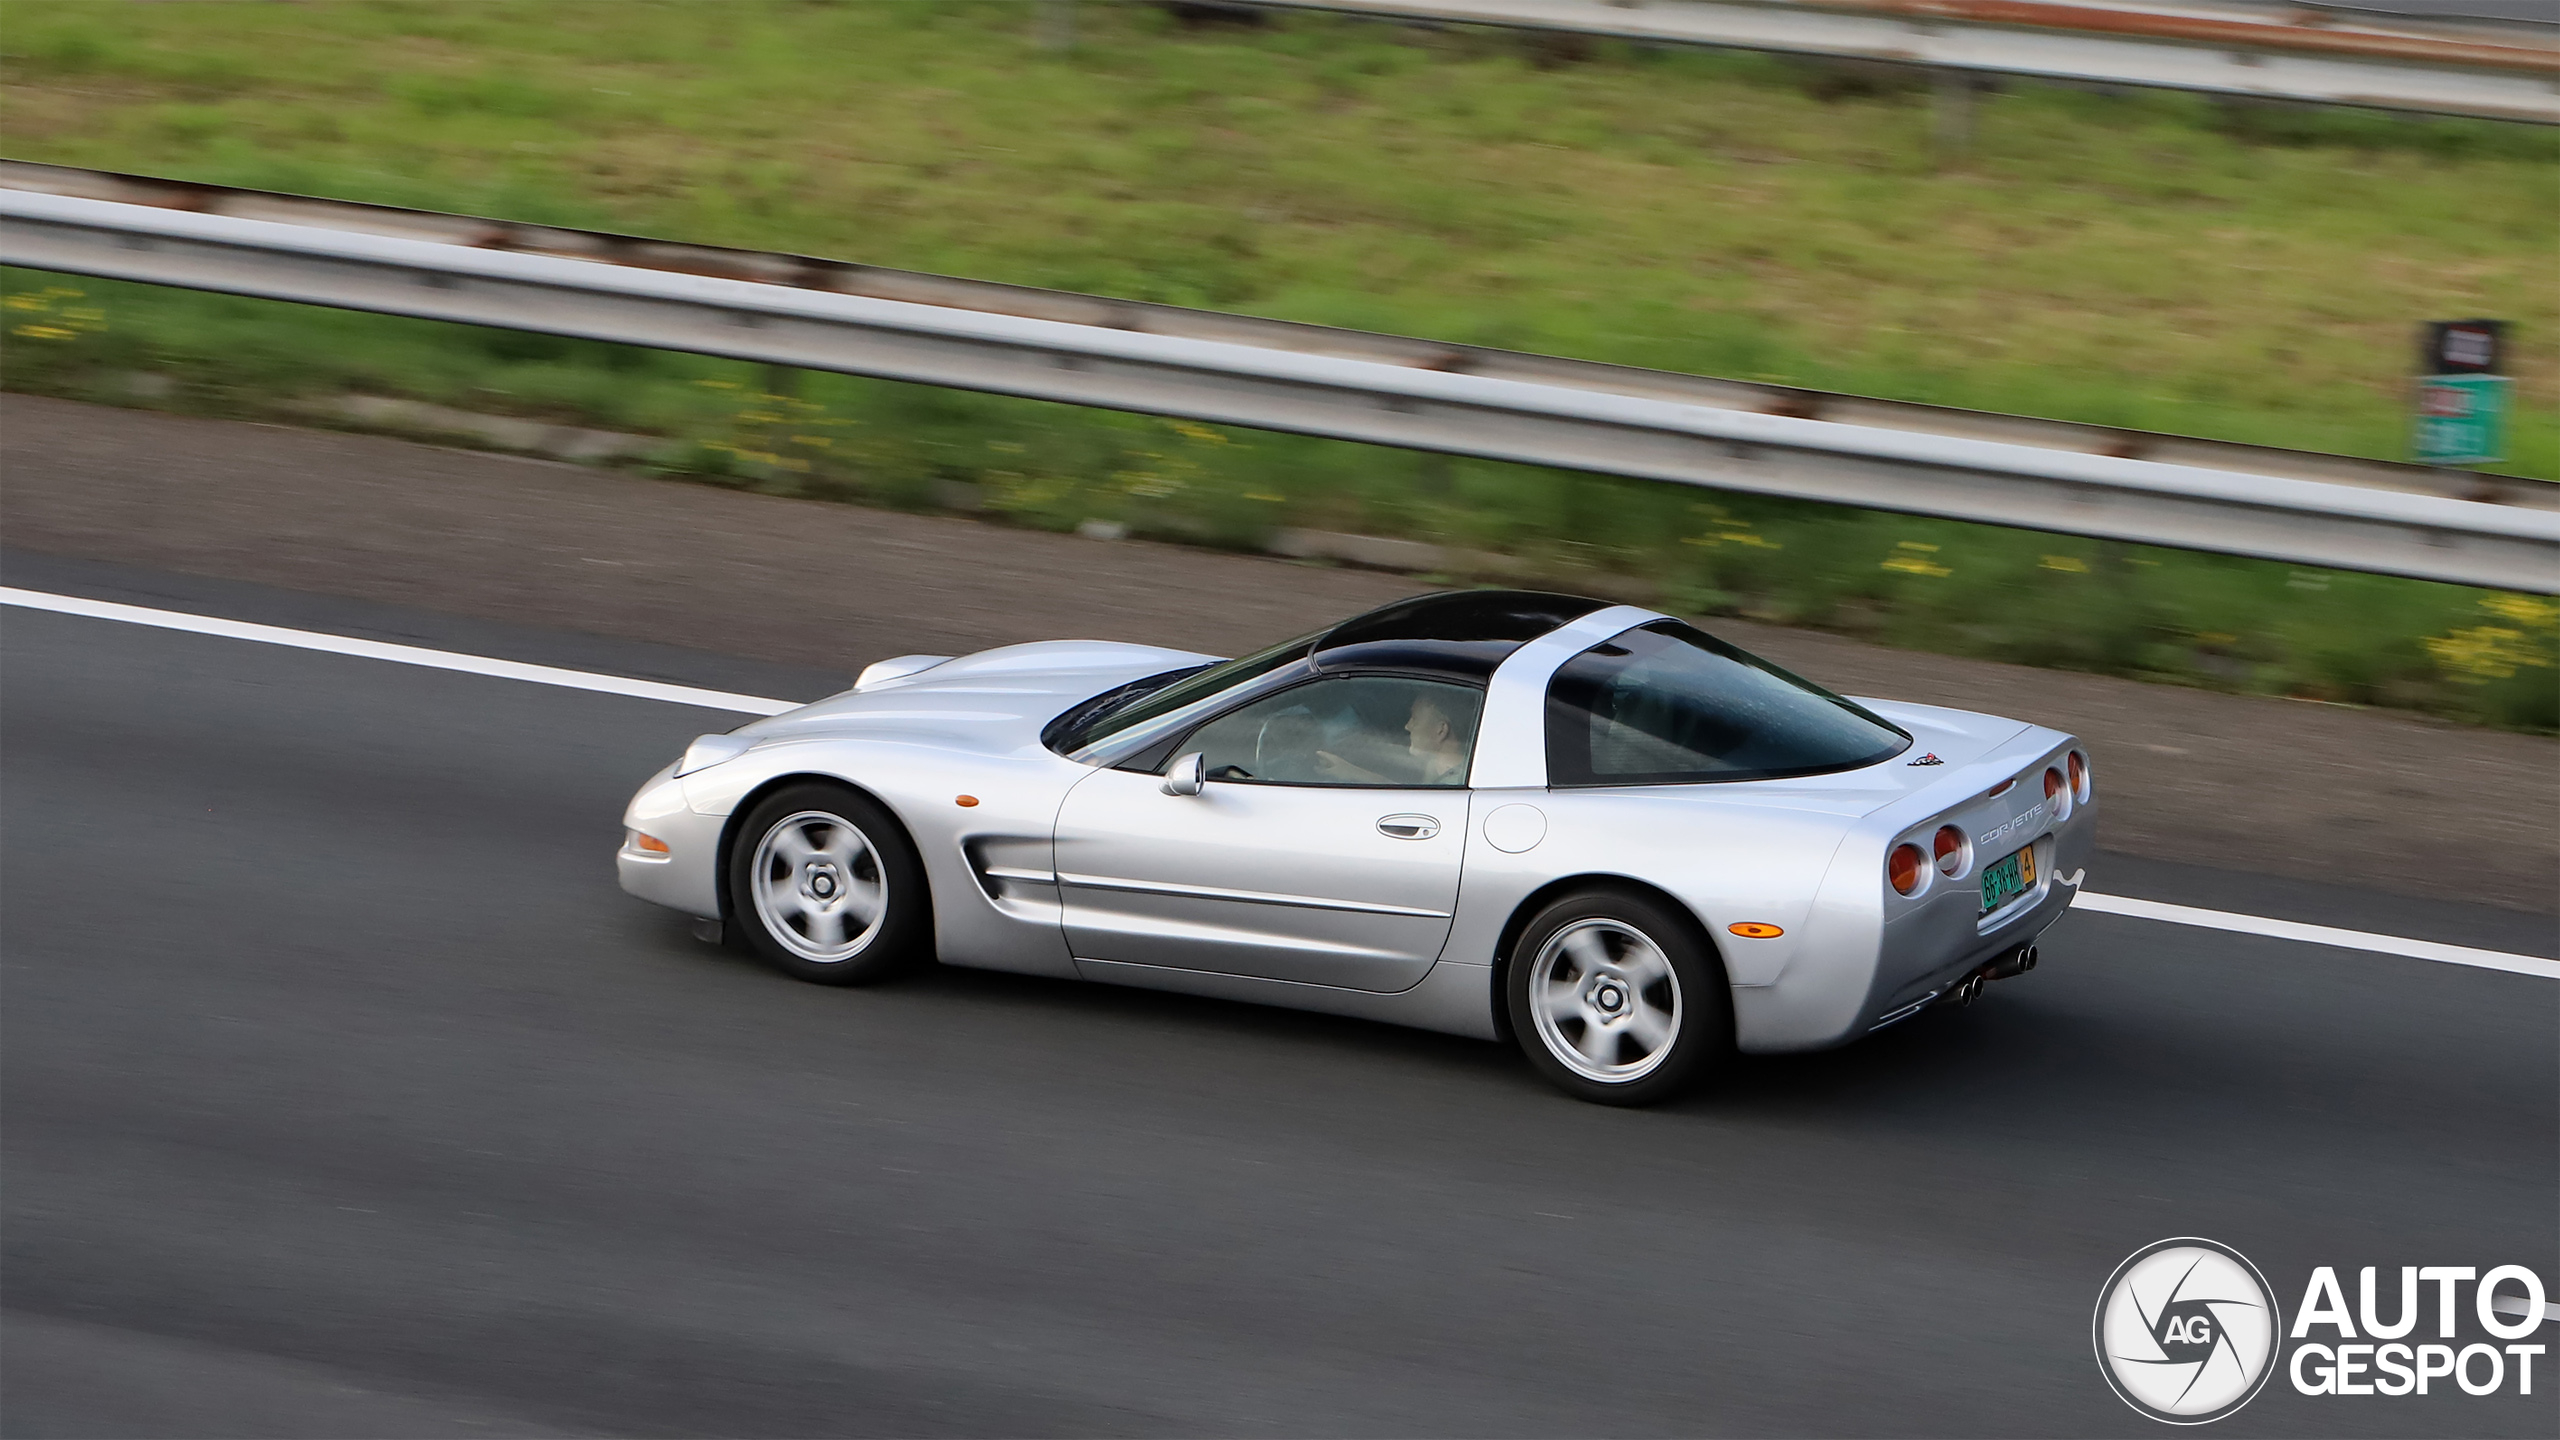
x: 341, y: 1092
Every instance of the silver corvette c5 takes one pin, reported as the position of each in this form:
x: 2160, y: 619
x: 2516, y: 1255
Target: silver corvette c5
x: 1592, y: 827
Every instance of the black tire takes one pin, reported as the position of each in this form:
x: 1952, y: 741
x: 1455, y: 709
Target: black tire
x: 1580, y: 964
x: 823, y: 849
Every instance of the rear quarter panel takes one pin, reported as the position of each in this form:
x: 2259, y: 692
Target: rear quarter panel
x: 1726, y: 855
x: 1805, y: 856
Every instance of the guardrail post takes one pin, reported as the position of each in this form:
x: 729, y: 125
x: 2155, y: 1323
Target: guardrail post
x: 1951, y: 102
x: 1057, y: 24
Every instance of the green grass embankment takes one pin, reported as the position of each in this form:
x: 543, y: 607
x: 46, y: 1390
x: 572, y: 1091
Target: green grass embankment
x: 2155, y: 262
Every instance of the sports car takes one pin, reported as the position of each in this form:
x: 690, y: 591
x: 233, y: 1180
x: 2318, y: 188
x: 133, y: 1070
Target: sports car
x: 1592, y: 828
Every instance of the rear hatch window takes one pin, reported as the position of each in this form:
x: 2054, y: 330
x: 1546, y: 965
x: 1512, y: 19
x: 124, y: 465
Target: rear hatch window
x: 1668, y: 704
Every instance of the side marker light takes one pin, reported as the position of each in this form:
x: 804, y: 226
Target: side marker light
x: 1755, y: 930
x: 965, y: 801
x: 650, y: 843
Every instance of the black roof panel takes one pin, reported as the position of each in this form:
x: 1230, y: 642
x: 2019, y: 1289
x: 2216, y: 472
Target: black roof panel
x: 1459, y: 632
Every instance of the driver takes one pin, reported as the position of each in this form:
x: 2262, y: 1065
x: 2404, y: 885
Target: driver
x: 1430, y: 736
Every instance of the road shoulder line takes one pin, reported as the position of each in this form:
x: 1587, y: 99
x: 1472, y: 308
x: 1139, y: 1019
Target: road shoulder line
x: 2239, y: 924
x: 396, y: 654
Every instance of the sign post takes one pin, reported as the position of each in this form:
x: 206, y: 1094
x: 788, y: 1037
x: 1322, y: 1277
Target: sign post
x: 2462, y: 400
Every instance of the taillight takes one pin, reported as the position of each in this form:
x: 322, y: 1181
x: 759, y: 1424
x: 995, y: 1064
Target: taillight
x: 2079, y: 777
x: 1902, y: 867
x: 1949, y: 845
x: 2057, y: 793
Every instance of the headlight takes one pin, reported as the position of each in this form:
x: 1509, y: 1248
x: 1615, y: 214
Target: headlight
x: 709, y: 750
x: 880, y: 672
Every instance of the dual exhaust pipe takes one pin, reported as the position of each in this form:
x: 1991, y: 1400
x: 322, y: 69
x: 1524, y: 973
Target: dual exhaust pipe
x: 2014, y: 963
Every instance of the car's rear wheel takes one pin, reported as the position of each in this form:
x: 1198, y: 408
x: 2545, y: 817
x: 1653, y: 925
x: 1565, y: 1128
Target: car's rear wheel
x: 824, y: 885
x: 1616, y: 997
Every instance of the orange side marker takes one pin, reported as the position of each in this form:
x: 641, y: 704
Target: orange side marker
x: 1755, y: 930
x: 966, y: 801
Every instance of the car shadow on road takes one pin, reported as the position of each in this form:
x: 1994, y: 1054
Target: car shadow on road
x: 2102, y: 1041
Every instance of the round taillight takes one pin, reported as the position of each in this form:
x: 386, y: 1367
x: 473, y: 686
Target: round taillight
x: 2057, y: 794
x: 1902, y: 867
x: 1949, y: 845
x: 2079, y: 777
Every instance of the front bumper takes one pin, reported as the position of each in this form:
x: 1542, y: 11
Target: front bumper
x: 687, y: 876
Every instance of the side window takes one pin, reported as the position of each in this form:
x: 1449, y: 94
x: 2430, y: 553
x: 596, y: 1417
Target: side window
x: 1349, y: 730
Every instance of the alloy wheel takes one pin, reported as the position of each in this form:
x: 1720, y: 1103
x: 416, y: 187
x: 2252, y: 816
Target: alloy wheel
x: 818, y: 886
x: 1606, y: 1000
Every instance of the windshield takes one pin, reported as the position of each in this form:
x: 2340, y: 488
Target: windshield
x: 1668, y: 704
x: 1128, y: 723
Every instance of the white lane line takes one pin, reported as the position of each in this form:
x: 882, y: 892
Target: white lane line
x: 2520, y: 1307
x: 397, y: 654
x: 757, y: 705
x: 2317, y: 934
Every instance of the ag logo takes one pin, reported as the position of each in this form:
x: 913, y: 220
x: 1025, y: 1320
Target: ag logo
x: 2186, y: 1331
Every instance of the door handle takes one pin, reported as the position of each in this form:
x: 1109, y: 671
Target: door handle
x: 1409, y: 827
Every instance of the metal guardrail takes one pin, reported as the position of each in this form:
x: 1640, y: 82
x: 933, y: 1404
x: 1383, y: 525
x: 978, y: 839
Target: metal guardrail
x: 1146, y: 318
x: 1241, y: 381
x: 2500, y: 70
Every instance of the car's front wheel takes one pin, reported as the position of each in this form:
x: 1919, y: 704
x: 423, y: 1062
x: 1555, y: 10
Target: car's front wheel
x: 824, y: 885
x: 1616, y: 998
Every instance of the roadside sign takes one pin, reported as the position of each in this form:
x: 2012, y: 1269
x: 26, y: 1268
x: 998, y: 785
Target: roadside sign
x: 2462, y: 419
x: 2462, y: 400
x: 2461, y: 347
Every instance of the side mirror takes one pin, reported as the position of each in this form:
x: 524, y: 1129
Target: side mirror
x: 1186, y: 774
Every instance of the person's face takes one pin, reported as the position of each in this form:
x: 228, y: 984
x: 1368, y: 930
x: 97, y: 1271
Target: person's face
x: 1427, y: 729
